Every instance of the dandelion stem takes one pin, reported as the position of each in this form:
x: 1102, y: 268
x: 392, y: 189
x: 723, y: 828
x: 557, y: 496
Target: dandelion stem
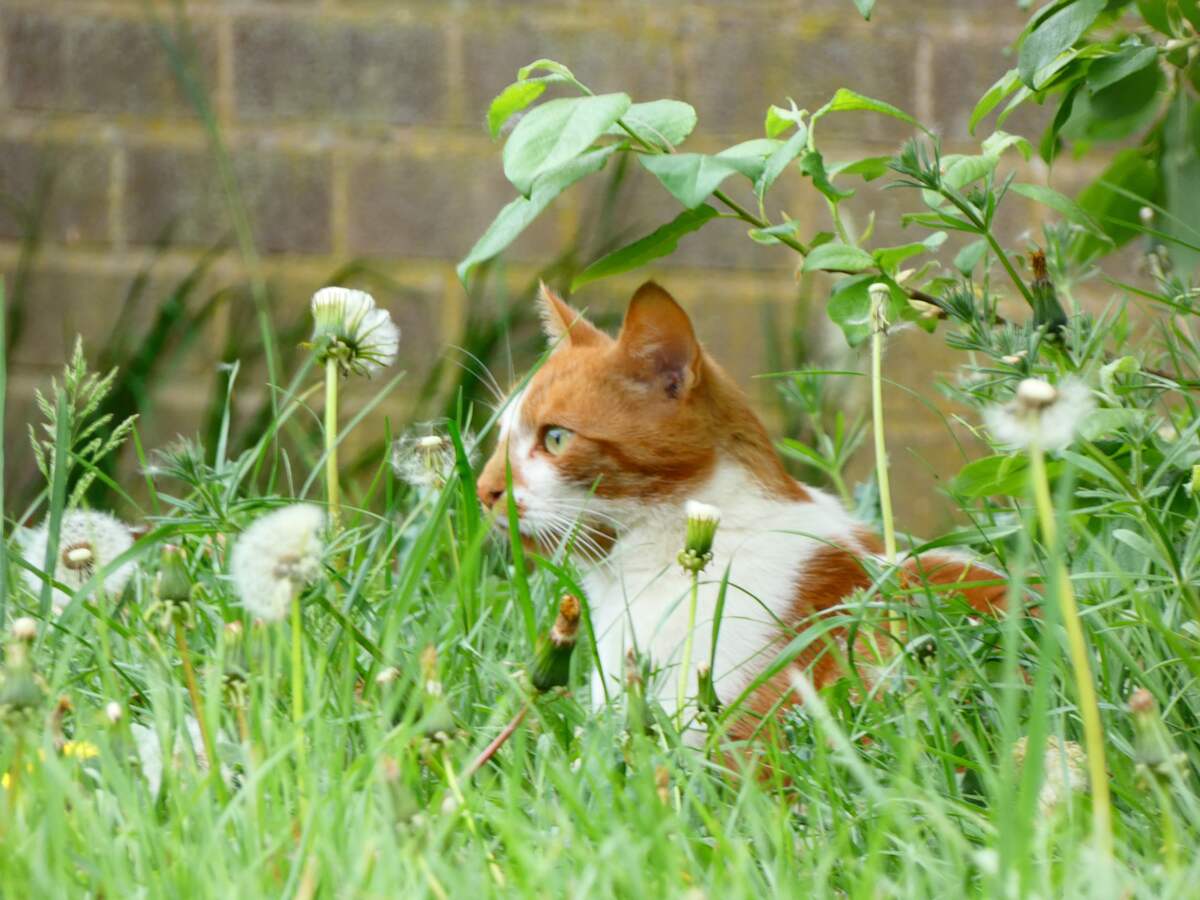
x: 189, y: 675
x: 333, y: 494
x: 297, y: 667
x: 686, y: 664
x: 879, y: 327
x: 1089, y: 709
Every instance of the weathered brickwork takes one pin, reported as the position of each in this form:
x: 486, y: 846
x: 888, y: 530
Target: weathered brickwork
x: 354, y: 129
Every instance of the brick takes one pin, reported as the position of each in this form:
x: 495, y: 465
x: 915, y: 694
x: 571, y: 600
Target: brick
x: 99, y: 64
x: 35, y: 70
x: 374, y: 72
x: 175, y: 191
x: 58, y: 190
x: 437, y: 207
x: 616, y: 54
x: 735, y: 72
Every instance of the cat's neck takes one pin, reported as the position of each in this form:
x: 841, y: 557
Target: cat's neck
x: 741, y: 439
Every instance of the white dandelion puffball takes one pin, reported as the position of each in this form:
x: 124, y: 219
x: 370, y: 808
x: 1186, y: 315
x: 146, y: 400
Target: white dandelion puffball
x: 349, y: 327
x: 87, y: 542
x: 1046, y: 415
x: 276, y: 557
x: 425, y: 457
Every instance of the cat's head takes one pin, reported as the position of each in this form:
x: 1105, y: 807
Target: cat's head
x: 607, y: 427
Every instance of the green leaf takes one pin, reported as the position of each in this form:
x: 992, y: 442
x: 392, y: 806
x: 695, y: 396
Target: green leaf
x: 780, y: 160
x: 664, y: 123
x: 1111, y: 69
x: 847, y: 101
x: 864, y: 7
x: 510, y: 101
x: 780, y: 120
x: 868, y: 168
x: 660, y: 242
x: 1065, y: 206
x: 772, y: 234
x: 690, y: 177
x: 850, y: 306
x: 969, y: 256
x: 995, y: 94
x: 516, y: 216
x: 546, y: 65
x: 812, y: 164
x: 889, y: 258
x: 991, y: 476
x: 556, y: 132
x: 1052, y: 36
x: 838, y: 257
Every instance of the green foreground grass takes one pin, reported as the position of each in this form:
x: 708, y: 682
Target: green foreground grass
x: 351, y: 775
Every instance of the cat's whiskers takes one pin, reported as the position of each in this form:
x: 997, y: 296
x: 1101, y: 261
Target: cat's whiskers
x: 484, y: 373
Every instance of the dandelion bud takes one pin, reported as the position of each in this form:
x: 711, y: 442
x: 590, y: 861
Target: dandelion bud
x: 174, y: 583
x: 662, y: 784
x: 233, y: 632
x: 20, y: 689
x: 637, y: 711
x: 881, y: 296
x: 1154, y: 749
x: 552, y: 667
x: 1034, y: 395
x: 437, y: 719
x: 1146, y: 215
x: 706, y: 693
x: 24, y: 629
x: 702, y: 522
x: 113, y: 712
x: 350, y: 329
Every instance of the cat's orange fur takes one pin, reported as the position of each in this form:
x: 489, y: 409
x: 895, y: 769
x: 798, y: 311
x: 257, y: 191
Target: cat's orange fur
x: 657, y: 421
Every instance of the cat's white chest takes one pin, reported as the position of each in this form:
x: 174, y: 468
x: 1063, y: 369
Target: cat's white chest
x: 639, y: 599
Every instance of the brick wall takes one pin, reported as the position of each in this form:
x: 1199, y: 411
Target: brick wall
x: 354, y: 130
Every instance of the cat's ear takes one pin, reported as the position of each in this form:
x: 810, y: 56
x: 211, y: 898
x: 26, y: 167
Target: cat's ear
x: 559, y: 319
x: 658, y: 339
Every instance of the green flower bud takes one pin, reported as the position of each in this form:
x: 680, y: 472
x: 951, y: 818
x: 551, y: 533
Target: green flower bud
x: 702, y: 522
x: 552, y: 667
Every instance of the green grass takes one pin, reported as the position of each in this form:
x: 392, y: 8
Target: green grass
x: 913, y: 792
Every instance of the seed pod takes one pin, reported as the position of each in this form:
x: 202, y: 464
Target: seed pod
x: 1047, y: 311
x: 706, y: 693
x: 552, y: 666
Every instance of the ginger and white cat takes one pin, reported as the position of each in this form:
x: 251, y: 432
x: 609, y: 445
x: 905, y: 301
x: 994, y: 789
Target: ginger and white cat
x: 611, y: 437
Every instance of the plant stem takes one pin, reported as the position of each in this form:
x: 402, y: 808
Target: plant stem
x: 333, y: 494
x: 1089, y: 708
x: 491, y: 749
x: 686, y: 665
x: 882, y: 479
x: 297, y: 666
x: 189, y: 675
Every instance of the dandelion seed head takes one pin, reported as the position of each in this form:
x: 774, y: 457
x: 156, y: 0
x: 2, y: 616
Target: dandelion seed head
x: 88, y: 540
x: 24, y: 628
x: 277, y: 556
x: 349, y: 327
x: 1063, y: 772
x: 1048, y: 418
x: 425, y: 457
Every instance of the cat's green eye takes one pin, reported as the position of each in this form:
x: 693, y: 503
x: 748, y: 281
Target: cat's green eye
x: 555, y: 440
